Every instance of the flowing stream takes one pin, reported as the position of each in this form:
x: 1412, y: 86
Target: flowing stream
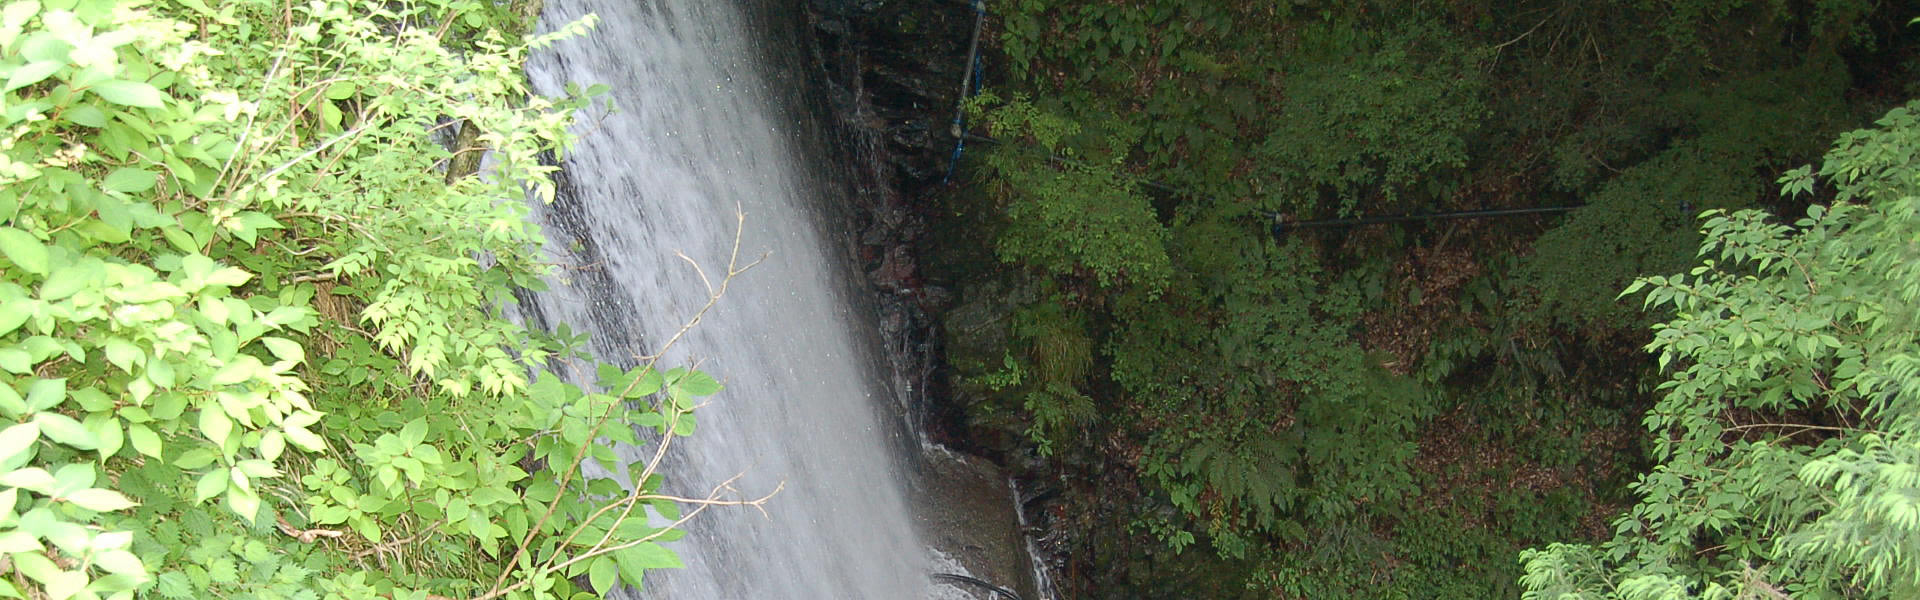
x: 709, y: 119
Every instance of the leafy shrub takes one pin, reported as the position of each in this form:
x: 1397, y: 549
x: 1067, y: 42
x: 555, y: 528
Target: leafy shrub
x: 238, y: 268
x: 1786, y: 434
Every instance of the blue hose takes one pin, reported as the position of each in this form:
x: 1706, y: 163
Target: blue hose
x: 969, y: 85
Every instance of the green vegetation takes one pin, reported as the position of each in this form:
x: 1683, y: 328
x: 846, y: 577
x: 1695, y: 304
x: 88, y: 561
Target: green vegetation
x: 1786, y: 435
x: 250, y: 333
x: 1403, y: 411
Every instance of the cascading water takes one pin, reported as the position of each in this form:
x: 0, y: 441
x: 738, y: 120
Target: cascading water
x: 702, y: 126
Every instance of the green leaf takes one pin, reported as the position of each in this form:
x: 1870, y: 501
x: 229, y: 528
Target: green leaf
x: 243, y: 502
x: 123, y: 354
x: 602, y: 573
x: 272, y: 444
x: 196, y: 458
x: 651, y: 555
x: 106, y: 433
x: 215, y: 424
x: 88, y: 115
x: 10, y: 402
x: 18, y: 541
x: 284, y: 349
x: 211, y: 484
x: 130, y: 93
x: 235, y: 372
x: 257, y: 468
x: 306, y: 440
x: 30, y: 478
x: 12, y: 313
x: 122, y: 562
x: 64, y: 429
x: 129, y: 180
x: 65, y: 584
x: 414, y: 433
x: 16, y: 361
x: 99, y: 500
x: 174, y: 584
x: 15, y: 440
x: 146, y: 442
x: 341, y: 90
x: 43, y: 394
x: 32, y: 73
x: 24, y: 250
x: 697, y: 383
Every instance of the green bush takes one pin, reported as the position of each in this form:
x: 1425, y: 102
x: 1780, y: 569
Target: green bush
x: 250, y: 339
x: 1788, y: 436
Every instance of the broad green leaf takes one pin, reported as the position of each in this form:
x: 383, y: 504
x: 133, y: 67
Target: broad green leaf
x: 43, y: 394
x: 130, y: 93
x: 284, y: 349
x: 24, y: 250
x: 74, y: 476
x: 18, y: 541
x: 196, y: 458
x: 65, y: 584
x: 145, y: 441
x: 215, y: 424
x: 129, y: 180
x: 650, y: 555
x: 413, y: 433
x: 272, y: 444
x: 698, y: 383
x: 106, y: 432
x: 257, y: 468
x: 69, y: 280
x: 603, y: 573
x: 88, y: 115
x: 341, y: 90
x: 31, y: 73
x: 306, y: 440
x: 30, y: 478
x: 12, y: 314
x: 11, y: 404
x: 235, y: 372
x: 211, y: 484
x: 16, y: 14
x: 15, y: 440
x: 120, y: 561
x: 99, y: 500
x: 16, y: 361
x: 123, y: 354
x: 64, y: 429
x: 174, y: 584
x: 35, y: 565
x: 243, y: 502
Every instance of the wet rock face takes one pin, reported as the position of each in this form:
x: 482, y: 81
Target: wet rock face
x: 969, y: 514
x: 905, y: 60
x: 893, y: 72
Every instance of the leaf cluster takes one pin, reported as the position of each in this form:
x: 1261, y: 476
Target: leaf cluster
x: 250, y: 332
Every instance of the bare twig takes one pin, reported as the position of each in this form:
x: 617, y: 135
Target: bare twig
x: 500, y: 586
x: 306, y: 536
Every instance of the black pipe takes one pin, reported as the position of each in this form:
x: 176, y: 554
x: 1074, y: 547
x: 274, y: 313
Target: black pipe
x: 1281, y: 226
x: 970, y: 580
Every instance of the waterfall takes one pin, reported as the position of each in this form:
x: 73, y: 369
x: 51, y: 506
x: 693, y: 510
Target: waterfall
x: 706, y: 121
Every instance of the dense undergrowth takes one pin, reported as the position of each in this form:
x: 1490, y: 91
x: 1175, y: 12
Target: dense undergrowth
x: 251, y: 340
x: 1227, y: 409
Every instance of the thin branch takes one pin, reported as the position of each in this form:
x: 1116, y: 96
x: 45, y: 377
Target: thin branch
x: 733, y: 269
x: 306, y: 536
x: 1529, y: 31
